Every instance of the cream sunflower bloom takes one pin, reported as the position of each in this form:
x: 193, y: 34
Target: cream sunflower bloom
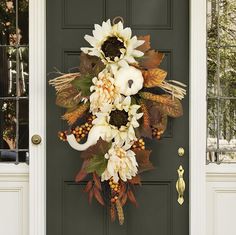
x: 121, y: 164
x: 104, y: 91
x: 120, y: 119
x: 113, y: 44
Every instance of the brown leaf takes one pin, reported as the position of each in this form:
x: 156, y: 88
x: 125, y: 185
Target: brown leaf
x: 123, y: 199
x: 132, y: 198
x: 146, y: 45
x: 82, y: 173
x: 123, y: 187
x: 73, y: 116
x: 135, y: 180
x: 90, y: 196
x: 151, y: 59
x: 142, y: 157
x: 100, y: 148
x: 90, y: 64
x: 164, y: 99
x: 68, y: 98
x: 153, y: 77
x: 113, y: 213
x: 145, y: 127
x: 173, y: 108
x: 89, y: 186
x: 97, y: 181
x: 98, y: 196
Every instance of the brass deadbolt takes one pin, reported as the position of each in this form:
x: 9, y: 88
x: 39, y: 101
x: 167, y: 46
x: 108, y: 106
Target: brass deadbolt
x: 36, y: 139
x: 181, y: 152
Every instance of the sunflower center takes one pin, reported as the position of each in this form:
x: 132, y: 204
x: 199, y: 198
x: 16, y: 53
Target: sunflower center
x: 111, y: 48
x: 118, y: 118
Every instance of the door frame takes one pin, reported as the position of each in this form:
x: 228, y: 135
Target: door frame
x: 197, y: 126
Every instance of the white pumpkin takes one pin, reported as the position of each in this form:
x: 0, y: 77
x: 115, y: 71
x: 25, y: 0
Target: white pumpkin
x: 129, y: 80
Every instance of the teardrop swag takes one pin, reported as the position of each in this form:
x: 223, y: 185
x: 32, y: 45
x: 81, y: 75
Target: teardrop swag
x: 121, y: 97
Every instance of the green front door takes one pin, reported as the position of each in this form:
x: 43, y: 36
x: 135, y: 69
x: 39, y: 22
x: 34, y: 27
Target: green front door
x: 159, y: 213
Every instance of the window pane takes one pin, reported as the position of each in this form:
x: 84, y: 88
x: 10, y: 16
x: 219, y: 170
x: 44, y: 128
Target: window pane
x: 227, y: 22
x: 228, y: 71
x: 23, y: 70
x: 23, y: 124
x: 8, y: 124
x: 8, y: 70
x: 7, y: 22
x: 23, y: 21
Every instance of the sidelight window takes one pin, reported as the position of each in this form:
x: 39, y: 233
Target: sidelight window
x: 221, y: 85
x: 14, y: 133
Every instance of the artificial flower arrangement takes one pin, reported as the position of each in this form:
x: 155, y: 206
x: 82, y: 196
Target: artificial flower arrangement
x: 121, y: 97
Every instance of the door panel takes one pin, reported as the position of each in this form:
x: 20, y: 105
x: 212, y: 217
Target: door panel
x: 68, y: 212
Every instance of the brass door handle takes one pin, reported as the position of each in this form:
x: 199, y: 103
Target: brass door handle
x: 36, y: 139
x: 180, y: 185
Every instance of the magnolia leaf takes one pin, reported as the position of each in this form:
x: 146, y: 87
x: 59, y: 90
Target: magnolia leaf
x: 90, y: 195
x: 97, y: 164
x: 151, y: 59
x: 97, y: 181
x: 123, y: 199
x: 68, y: 98
x: 135, y: 180
x: 82, y: 173
x: 174, y: 107
x: 83, y: 84
x: 98, y: 196
x: 89, y: 186
x: 90, y: 65
x: 100, y: 148
x: 131, y: 197
x: 146, y: 45
x: 142, y: 157
x: 153, y: 77
x: 72, y: 116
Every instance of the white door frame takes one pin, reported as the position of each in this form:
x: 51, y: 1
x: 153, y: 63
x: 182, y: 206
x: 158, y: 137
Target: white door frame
x: 37, y: 58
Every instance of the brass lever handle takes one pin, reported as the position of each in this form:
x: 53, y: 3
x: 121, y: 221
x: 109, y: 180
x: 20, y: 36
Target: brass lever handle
x: 180, y: 185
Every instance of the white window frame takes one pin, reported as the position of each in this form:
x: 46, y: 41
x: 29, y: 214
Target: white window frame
x: 37, y: 109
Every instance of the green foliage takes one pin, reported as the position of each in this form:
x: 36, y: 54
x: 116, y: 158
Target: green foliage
x: 97, y: 164
x: 83, y: 84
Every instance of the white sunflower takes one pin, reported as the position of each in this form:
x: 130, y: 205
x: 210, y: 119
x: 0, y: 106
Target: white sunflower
x: 113, y: 44
x: 104, y: 91
x: 121, y: 164
x: 119, y: 120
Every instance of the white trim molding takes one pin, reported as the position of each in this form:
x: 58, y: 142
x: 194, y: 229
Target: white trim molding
x: 198, y: 116
x: 37, y: 16
x: 37, y: 114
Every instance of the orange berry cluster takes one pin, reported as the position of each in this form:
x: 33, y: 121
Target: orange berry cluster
x: 115, y: 190
x: 156, y: 134
x: 139, y: 144
x: 80, y: 132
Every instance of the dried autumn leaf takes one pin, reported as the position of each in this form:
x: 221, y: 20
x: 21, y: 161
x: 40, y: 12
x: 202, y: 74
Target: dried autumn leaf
x: 100, y: 148
x: 123, y: 188
x: 173, y: 109
x: 73, y: 116
x: 90, y: 196
x: 90, y: 64
x: 151, y: 59
x: 132, y: 198
x: 123, y: 199
x: 89, y: 186
x: 135, y: 180
x: 98, y: 196
x: 163, y: 99
x: 143, y: 160
x: 145, y: 127
x: 146, y: 45
x: 97, y: 181
x: 82, y: 173
x: 153, y: 77
x: 68, y: 98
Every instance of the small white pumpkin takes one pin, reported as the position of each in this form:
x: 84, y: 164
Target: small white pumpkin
x: 129, y: 80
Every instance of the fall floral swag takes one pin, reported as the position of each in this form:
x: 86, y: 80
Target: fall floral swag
x: 121, y: 97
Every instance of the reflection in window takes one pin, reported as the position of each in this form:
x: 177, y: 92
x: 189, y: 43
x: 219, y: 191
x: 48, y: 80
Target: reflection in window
x: 221, y: 89
x: 14, y: 133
